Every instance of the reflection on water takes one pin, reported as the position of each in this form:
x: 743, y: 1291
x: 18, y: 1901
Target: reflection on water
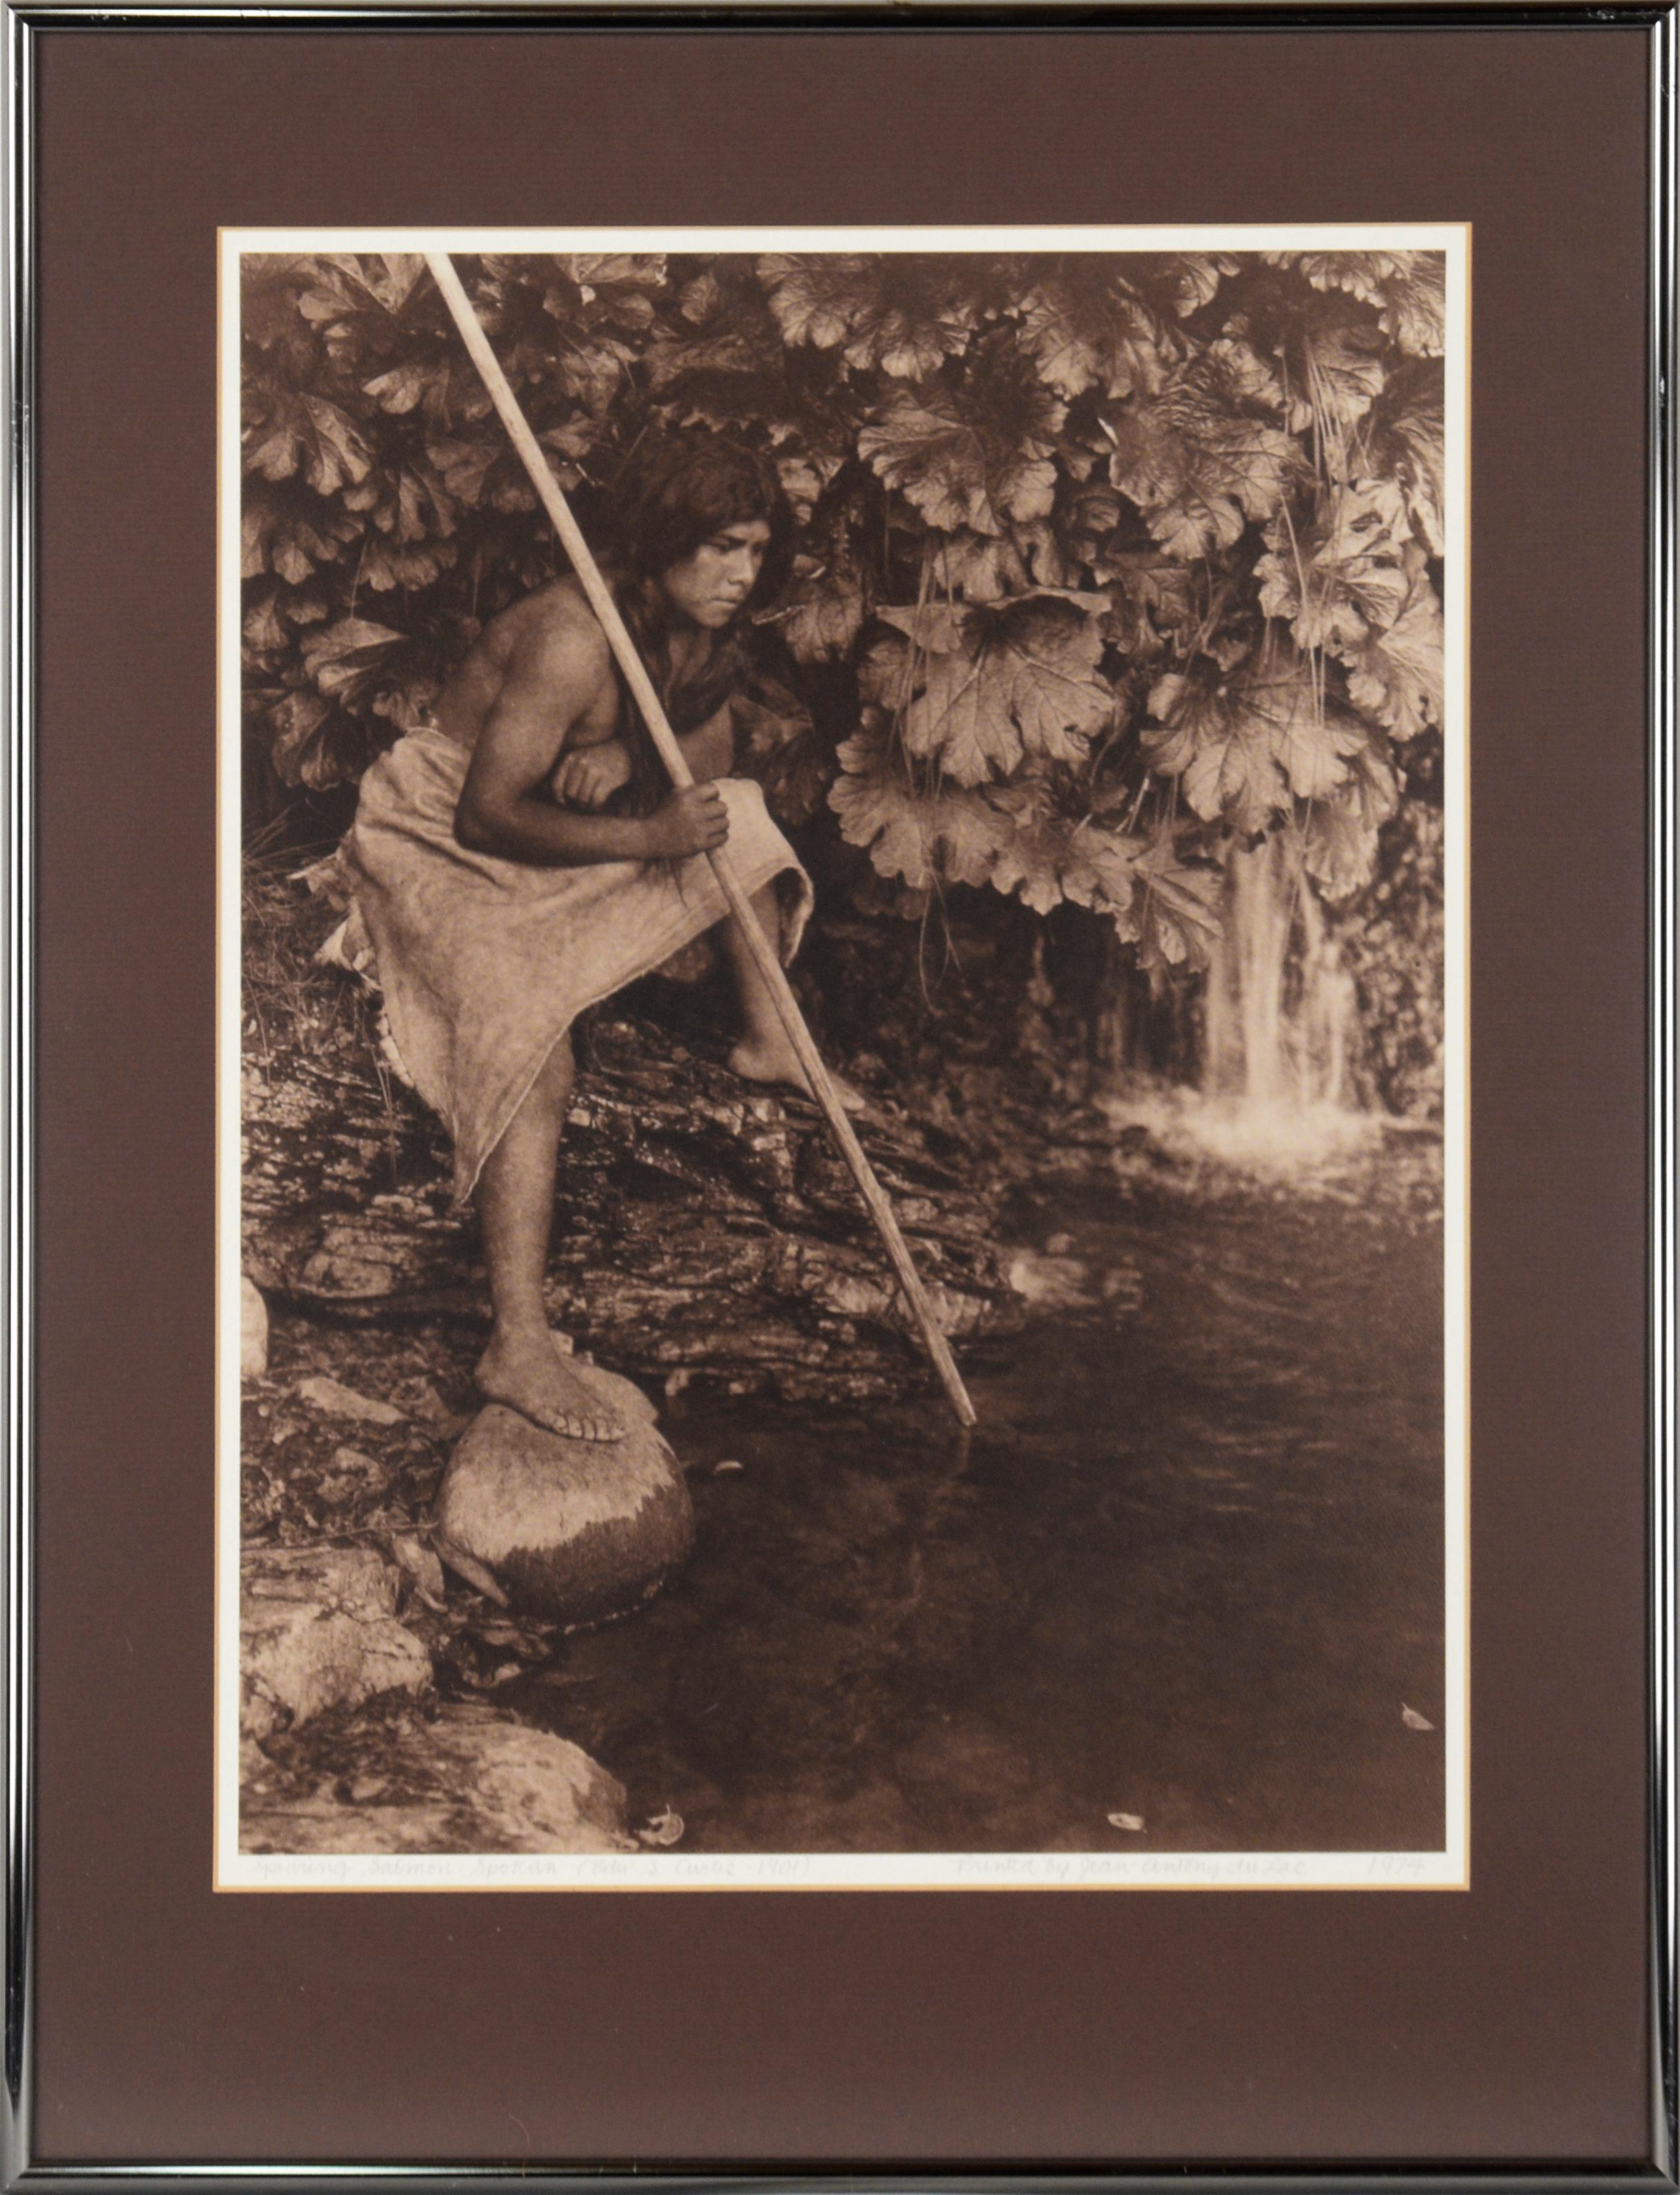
x: 1188, y: 1569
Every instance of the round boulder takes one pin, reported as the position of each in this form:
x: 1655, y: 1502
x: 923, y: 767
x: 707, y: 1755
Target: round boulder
x: 576, y: 1531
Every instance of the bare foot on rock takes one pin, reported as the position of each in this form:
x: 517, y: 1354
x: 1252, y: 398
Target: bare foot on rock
x: 773, y: 1060
x: 529, y: 1375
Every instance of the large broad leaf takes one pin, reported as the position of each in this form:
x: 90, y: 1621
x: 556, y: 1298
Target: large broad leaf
x: 1407, y: 289
x: 593, y: 370
x: 385, y: 567
x: 1030, y: 862
x: 604, y: 290
x: 1341, y: 370
x: 1340, y: 851
x: 1220, y: 751
x: 977, y: 456
x: 918, y: 837
x: 401, y: 390
x: 943, y: 707
x: 408, y: 701
x: 975, y: 567
x: 311, y: 436
x: 675, y: 354
x: 415, y: 507
x: 1344, y: 574
x: 977, y: 690
x: 1099, y: 872
x: 1414, y: 305
x: 274, y: 448
x: 403, y: 271
x: 1251, y: 383
x: 1178, y: 907
x: 1360, y: 274
x: 805, y: 475
x: 1234, y: 778
x: 343, y: 662
x: 1311, y: 736
x: 1156, y: 604
x: 722, y: 325
x: 922, y: 445
x: 1190, y: 278
x: 1395, y: 672
x: 334, y: 453
x: 822, y: 610
x: 775, y: 744
x: 464, y: 467
x: 302, y: 752
x: 1242, y: 745
x: 903, y: 312
x: 276, y: 537
x: 1088, y: 327
x: 1052, y: 855
x: 1405, y: 440
x: 1342, y: 834
x: 262, y: 629
x: 1197, y: 460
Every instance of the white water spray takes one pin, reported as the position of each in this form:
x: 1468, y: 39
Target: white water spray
x: 1280, y: 1007
x: 1279, y: 1030
x: 1280, y: 1019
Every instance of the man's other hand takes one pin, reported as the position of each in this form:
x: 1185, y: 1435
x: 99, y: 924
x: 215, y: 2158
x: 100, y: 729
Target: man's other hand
x: 692, y: 821
x: 588, y: 777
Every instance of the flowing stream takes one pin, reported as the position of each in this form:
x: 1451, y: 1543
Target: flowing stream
x: 1187, y: 1572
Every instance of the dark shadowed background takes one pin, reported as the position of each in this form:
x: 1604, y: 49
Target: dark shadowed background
x: 1508, y: 2023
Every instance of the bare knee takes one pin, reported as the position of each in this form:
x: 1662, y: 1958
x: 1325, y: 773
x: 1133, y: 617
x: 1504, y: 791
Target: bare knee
x: 546, y: 1102
x: 766, y: 905
x: 557, y: 1074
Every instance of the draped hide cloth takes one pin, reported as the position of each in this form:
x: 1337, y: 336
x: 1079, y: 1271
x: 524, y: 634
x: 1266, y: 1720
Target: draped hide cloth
x: 484, y: 963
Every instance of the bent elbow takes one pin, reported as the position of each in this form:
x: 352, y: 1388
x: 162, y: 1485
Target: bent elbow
x: 475, y: 832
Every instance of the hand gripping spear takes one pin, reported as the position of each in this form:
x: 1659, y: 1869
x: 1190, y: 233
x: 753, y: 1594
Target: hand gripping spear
x: 765, y: 957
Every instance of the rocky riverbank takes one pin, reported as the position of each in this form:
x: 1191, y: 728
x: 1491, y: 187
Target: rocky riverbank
x: 708, y: 1242
x: 706, y: 1236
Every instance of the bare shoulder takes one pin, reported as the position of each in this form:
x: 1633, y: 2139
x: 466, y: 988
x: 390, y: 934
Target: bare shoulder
x: 554, y: 633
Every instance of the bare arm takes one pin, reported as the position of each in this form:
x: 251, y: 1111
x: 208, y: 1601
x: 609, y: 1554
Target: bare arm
x: 505, y: 806
x: 589, y: 776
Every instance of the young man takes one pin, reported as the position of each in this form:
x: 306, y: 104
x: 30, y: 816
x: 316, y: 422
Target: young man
x: 523, y: 856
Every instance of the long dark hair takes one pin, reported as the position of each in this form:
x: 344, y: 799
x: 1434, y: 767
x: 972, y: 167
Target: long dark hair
x: 673, y: 492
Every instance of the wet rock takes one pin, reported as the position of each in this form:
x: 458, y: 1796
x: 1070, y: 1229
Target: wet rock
x: 576, y: 1531
x: 341, y: 1402
x: 318, y: 1629
x: 473, y: 1781
x: 703, y: 1226
x: 253, y: 1332
x: 1052, y: 1284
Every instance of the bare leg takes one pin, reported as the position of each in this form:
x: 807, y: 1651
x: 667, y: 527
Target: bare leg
x: 523, y: 1366
x: 765, y: 1052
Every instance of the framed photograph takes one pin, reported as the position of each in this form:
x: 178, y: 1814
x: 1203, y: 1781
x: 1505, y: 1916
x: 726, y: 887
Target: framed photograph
x: 841, y: 902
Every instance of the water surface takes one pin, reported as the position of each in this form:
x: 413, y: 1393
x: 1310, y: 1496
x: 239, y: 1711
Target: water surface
x: 1188, y: 1569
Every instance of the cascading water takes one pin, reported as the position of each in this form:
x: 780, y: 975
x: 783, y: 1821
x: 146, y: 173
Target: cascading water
x: 1280, y: 1006
x: 1280, y: 1018
x: 1280, y: 1033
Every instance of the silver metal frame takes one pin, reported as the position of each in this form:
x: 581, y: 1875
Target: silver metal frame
x: 1661, y: 22
x: 17, y: 808
x: 1664, y: 907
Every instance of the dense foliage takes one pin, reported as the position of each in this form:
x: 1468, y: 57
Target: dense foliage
x: 1104, y: 559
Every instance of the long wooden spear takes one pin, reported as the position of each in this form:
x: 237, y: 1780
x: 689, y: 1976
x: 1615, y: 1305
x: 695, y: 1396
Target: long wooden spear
x: 765, y: 957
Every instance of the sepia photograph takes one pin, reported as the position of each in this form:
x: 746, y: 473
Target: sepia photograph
x: 842, y: 991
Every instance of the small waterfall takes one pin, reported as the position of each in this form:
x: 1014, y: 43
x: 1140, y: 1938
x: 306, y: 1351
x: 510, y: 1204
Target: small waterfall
x: 1280, y: 1013
x: 1256, y: 1066
x: 1279, y: 1026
